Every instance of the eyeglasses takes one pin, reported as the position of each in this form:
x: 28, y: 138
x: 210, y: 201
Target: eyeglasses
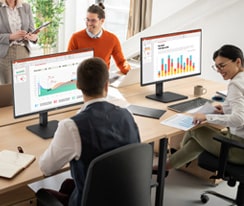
x: 220, y: 66
x: 93, y: 21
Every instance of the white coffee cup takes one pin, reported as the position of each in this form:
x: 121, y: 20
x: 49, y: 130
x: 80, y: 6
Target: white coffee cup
x: 199, y: 90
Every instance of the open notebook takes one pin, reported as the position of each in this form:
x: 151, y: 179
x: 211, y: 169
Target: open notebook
x: 11, y: 162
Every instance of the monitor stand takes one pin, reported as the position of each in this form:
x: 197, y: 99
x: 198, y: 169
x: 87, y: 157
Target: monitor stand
x: 165, y: 97
x: 44, y: 129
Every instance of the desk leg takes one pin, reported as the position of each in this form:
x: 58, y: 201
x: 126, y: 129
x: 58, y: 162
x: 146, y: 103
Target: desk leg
x: 161, y: 171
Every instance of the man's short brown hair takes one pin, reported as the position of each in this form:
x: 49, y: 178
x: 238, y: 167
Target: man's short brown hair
x: 92, y: 75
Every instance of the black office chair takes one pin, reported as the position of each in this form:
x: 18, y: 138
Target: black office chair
x: 121, y: 177
x: 229, y: 172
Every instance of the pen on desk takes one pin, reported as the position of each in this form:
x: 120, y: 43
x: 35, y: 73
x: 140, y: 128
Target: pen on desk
x: 20, y: 149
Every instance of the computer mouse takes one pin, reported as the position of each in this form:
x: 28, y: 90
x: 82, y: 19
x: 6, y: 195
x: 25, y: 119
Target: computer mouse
x: 218, y: 98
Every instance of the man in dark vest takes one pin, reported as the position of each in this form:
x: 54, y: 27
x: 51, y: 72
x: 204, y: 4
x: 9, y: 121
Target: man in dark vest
x: 99, y: 127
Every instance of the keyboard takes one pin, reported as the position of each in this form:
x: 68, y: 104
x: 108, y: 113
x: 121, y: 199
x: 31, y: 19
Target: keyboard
x: 188, y: 105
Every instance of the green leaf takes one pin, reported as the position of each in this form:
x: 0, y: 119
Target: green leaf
x: 45, y: 11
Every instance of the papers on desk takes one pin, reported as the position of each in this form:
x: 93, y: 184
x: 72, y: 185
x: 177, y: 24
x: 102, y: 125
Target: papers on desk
x: 184, y: 122
x: 12, y: 162
x: 180, y: 121
x: 222, y: 93
x: 207, y: 108
x: 132, y: 77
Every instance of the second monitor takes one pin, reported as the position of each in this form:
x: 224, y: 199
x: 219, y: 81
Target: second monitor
x: 168, y: 57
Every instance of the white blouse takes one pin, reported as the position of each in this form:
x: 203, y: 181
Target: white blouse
x: 233, y: 107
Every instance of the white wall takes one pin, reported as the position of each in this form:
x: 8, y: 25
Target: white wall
x: 220, y: 21
x: 165, y: 8
x: 74, y: 15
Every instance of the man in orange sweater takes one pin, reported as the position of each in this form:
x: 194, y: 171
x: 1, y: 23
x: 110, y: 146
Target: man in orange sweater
x: 104, y: 43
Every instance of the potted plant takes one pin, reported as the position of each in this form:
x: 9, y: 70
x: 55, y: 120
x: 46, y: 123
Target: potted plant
x: 48, y: 11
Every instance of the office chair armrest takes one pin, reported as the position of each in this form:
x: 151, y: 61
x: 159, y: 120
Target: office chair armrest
x: 230, y: 142
x: 226, y: 144
x: 45, y: 199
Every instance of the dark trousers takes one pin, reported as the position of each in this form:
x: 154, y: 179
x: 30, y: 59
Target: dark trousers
x: 64, y: 192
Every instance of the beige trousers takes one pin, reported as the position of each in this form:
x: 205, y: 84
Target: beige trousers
x: 200, y: 139
x: 14, y: 52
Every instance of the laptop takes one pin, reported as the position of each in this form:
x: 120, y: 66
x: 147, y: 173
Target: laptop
x: 132, y: 77
x: 6, y: 97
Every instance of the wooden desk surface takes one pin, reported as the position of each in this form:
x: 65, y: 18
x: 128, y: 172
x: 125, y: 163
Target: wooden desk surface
x: 7, y: 116
x: 14, y: 135
x: 181, y: 85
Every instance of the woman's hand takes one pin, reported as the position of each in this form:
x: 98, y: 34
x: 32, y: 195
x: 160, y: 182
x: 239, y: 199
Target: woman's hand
x: 31, y: 37
x: 18, y: 35
x: 198, y: 118
x: 218, y: 109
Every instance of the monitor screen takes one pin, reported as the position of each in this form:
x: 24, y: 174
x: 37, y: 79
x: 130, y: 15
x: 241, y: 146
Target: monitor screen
x: 167, y: 57
x: 45, y: 83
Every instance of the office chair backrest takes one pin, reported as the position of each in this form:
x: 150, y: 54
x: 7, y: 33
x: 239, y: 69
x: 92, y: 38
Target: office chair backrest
x: 121, y: 177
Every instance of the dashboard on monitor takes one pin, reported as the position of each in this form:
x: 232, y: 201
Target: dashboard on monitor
x: 168, y: 57
x: 45, y: 83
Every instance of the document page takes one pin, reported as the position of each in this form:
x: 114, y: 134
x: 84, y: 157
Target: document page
x: 185, y: 122
x: 180, y: 121
x: 207, y: 108
x: 222, y: 92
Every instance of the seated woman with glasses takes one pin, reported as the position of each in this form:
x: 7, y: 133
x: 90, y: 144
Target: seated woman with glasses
x: 229, y: 63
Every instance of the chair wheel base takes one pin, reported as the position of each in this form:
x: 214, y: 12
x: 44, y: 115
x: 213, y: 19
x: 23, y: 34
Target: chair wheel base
x: 204, y: 198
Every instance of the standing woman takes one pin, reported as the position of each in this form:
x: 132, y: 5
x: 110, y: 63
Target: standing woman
x: 16, y: 25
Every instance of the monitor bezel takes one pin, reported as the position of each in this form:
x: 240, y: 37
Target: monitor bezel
x: 167, y: 35
x: 43, y: 57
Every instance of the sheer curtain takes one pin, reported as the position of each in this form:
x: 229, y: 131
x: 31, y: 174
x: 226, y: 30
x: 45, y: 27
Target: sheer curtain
x: 139, y: 16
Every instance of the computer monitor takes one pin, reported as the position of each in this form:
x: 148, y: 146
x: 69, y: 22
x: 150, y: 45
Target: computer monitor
x: 45, y: 83
x: 168, y: 57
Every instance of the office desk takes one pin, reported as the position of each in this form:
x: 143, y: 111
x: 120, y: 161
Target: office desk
x: 7, y: 116
x: 182, y: 86
x: 13, y: 135
x: 16, y: 135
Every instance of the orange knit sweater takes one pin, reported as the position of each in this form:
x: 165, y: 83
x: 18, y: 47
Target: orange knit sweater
x: 104, y: 47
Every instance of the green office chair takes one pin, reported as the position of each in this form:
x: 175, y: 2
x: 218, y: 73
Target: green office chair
x: 120, y: 177
x: 229, y: 172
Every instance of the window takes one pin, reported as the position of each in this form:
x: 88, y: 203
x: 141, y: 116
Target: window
x: 117, y: 14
